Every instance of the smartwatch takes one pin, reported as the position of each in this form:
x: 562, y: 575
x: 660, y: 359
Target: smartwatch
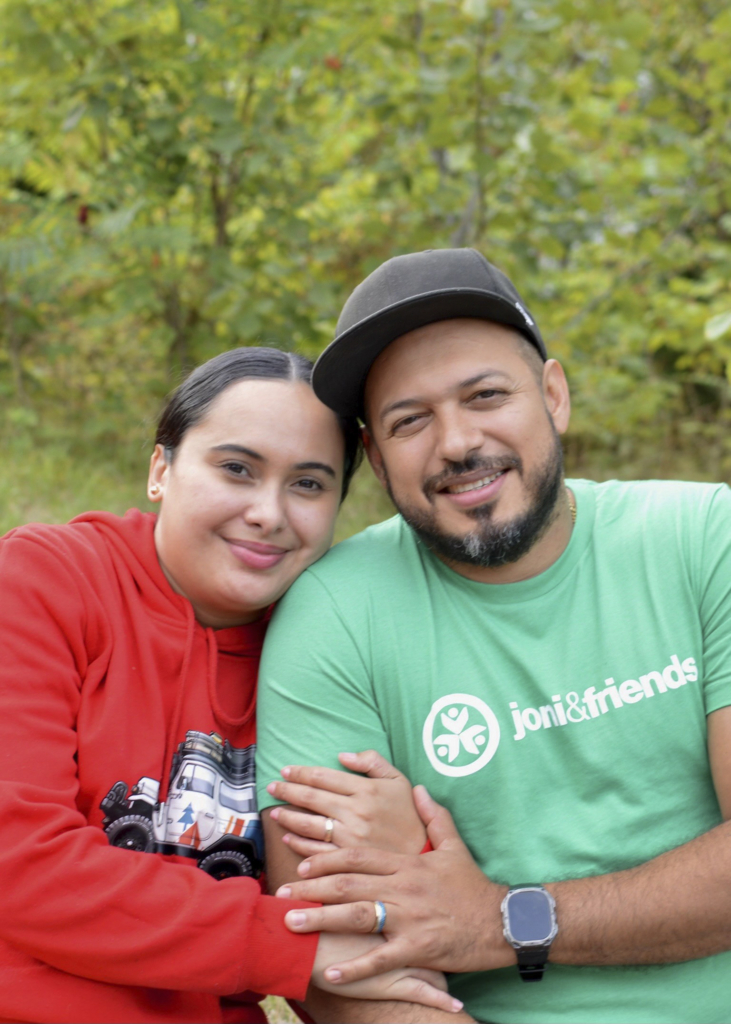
x: 530, y: 926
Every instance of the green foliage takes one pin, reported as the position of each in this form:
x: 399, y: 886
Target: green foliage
x: 182, y: 176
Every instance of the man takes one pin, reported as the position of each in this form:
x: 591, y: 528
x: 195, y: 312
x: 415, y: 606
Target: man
x: 552, y: 662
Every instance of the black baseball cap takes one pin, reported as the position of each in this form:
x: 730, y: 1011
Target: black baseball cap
x: 402, y: 294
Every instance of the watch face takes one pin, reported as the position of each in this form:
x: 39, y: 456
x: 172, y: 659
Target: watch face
x: 529, y: 914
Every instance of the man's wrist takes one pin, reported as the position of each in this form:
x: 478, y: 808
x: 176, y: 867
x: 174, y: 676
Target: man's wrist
x: 496, y: 950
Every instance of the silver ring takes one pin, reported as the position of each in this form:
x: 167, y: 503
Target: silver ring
x: 329, y: 829
x: 380, y: 910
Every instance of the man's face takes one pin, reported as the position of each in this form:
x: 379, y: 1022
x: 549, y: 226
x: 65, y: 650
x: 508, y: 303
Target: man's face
x: 464, y: 421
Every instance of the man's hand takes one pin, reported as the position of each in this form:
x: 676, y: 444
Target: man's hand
x: 442, y: 911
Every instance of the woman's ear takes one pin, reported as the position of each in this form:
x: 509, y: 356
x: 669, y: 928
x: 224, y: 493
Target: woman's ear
x: 556, y: 395
x: 374, y: 456
x: 157, y: 477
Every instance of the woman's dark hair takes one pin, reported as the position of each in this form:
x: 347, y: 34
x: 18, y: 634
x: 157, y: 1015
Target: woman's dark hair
x: 190, y: 402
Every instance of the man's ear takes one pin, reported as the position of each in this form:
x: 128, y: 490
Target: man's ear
x: 157, y: 477
x: 556, y: 395
x: 374, y: 456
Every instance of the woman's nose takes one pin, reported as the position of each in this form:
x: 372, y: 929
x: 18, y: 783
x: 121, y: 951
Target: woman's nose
x: 265, y: 510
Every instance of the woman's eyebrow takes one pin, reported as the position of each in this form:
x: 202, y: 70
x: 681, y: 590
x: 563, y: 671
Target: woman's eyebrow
x: 239, y: 449
x: 317, y: 465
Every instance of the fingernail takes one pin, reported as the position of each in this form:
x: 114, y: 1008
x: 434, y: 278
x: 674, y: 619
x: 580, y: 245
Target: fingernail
x: 274, y: 813
x: 456, y: 1005
x: 304, y: 868
x: 286, y: 772
x: 296, y: 918
x: 272, y: 788
x: 333, y: 974
x: 286, y: 837
x: 284, y: 892
x: 347, y: 753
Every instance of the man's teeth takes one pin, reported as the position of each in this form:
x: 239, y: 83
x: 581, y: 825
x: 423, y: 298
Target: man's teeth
x: 477, y: 484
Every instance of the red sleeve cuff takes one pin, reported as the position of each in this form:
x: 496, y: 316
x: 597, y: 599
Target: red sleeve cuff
x: 282, y: 962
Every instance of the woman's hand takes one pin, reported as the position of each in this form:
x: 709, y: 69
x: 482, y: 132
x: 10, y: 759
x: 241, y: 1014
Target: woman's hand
x: 411, y: 985
x: 375, y: 811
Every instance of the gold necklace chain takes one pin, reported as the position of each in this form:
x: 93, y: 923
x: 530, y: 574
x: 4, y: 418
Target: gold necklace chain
x: 572, y: 505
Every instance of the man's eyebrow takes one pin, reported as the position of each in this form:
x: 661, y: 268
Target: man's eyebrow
x: 482, y: 376
x: 240, y: 450
x: 404, y: 403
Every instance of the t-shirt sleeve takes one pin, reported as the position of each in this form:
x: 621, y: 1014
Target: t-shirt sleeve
x: 315, y: 691
x: 715, y: 601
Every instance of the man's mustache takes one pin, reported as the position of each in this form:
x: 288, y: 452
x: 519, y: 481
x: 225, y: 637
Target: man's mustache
x: 454, y: 470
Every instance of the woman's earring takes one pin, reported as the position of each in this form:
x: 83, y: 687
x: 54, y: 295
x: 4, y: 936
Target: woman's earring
x: 154, y: 490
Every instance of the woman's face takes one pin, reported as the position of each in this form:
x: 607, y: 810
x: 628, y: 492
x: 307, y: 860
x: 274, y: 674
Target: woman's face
x: 249, y: 500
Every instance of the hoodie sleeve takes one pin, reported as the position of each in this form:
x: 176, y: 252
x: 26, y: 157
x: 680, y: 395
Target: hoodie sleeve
x: 67, y: 898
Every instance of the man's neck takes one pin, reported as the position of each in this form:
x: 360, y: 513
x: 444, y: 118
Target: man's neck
x: 547, y: 550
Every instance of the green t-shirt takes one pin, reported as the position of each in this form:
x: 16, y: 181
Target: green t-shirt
x: 562, y: 719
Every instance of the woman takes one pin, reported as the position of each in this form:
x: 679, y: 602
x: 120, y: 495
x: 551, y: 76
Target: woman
x: 127, y: 688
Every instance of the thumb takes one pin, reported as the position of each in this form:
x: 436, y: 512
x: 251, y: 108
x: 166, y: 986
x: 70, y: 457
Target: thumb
x: 370, y: 763
x: 439, y: 824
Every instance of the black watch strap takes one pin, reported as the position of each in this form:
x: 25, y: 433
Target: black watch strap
x: 532, y: 962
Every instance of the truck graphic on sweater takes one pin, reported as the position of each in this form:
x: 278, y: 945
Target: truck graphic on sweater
x: 209, y: 813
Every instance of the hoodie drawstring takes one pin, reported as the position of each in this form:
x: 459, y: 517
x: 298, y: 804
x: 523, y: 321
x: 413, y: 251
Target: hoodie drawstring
x: 172, y: 732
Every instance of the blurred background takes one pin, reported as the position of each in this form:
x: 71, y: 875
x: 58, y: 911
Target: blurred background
x: 181, y: 177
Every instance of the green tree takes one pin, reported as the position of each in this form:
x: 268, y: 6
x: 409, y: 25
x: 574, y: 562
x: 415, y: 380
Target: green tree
x: 182, y: 177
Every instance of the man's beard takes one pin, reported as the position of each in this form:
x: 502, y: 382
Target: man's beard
x: 492, y: 544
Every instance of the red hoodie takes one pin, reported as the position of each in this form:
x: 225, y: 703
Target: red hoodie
x: 106, y: 678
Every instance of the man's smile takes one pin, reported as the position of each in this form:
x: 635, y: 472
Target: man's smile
x: 473, y: 492
x: 473, y: 485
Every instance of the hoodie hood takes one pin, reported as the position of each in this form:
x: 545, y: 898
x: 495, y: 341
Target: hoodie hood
x: 131, y: 539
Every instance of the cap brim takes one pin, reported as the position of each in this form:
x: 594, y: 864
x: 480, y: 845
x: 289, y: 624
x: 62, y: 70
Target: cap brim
x: 340, y: 372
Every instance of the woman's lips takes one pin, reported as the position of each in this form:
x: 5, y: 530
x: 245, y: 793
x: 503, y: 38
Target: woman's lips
x: 257, y: 556
x: 477, y: 495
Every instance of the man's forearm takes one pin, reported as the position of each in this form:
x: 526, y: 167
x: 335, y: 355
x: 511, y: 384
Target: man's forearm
x: 673, y: 908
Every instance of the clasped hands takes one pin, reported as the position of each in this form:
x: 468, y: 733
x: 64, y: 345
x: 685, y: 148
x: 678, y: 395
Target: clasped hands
x: 442, y: 912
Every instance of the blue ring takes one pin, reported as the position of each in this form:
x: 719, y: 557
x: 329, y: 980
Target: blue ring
x: 380, y: 909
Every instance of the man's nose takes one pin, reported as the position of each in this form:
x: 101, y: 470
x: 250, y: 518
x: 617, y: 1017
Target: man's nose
x: 265, y: 509
x: 458, y: 435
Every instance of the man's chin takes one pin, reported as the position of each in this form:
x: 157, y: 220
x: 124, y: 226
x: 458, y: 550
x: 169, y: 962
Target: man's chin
x: 459, y: 523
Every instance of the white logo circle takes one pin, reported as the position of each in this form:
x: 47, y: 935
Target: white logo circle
x: 461, y: 731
